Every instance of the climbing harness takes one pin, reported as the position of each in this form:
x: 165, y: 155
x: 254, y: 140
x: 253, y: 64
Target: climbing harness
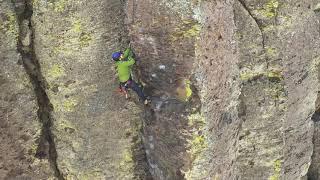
x: 124, y: 88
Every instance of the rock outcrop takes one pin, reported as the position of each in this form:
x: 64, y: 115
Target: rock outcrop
x: 233, y: 85
x: 254, y: 67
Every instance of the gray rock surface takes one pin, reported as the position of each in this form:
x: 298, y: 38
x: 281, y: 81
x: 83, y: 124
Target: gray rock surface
x: 20, y: 127
x: 96, y: 130
x: 233, y: 85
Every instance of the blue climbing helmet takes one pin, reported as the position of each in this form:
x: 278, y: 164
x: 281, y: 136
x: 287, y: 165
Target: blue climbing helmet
x: 116, y: 56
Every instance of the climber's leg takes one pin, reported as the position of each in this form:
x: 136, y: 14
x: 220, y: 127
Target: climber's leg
x: 134, y: 86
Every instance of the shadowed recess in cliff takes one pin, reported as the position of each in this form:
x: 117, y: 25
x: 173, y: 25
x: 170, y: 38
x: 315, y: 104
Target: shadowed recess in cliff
x: 164, y: 35
x: 314, y: 169
x: 46, y: 146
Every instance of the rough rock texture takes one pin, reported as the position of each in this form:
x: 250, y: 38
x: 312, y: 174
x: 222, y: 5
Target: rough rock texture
x: 95, y: 129
x: 20, y: 127
x: 234, y: 86
x: 260, y: 104
x: 163, y: 34
x: 255, y: 65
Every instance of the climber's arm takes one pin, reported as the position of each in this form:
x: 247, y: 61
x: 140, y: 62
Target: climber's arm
x: 127, y: 53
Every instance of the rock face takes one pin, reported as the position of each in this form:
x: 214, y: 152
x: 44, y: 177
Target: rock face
x: 233, y: 87
x: 163, y: 34
x: 20, y: 126
x: 96, y: 130
x: 255, y: 66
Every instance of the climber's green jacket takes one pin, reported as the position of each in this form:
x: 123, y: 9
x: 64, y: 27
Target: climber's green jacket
x: 124, y: 65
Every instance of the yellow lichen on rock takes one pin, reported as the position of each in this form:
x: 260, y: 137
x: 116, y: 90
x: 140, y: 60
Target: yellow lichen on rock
x: 198, y: 142
x: 60, y: 5
x: 193, y: 31
x: 188, y: 89
x: 84, y: 37
x: 64, y: 125
x: 184, y: 91
x: 188, y: 29
x: 69, y: 105
x: 56, y: 71
x: 10, y: 25
x: 269, y: 10
x: 271, y: 51
x: 127, y: 163
x: 196, y: 145
x: 271, y: 74
x: 196, y: 119
x: 277, y: 170
x: 77, y: 26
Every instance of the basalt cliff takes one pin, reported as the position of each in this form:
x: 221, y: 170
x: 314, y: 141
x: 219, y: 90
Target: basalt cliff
x: 234, y: 89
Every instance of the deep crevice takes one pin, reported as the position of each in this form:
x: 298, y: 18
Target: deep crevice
x: 141, y: 167
x: 46, y: 145
x: 313, y: 172
x: 314, y: 169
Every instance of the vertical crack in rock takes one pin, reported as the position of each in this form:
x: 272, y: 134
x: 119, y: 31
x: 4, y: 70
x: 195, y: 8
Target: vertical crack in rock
x: 255, y: 20
x: 46, y: 146
x: 142, y: 167
x: 314, y: 169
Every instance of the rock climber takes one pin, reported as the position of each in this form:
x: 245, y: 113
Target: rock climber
x: 124, y: 61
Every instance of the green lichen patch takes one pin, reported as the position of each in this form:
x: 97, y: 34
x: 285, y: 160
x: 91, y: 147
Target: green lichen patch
x: 66, y: 126
x: 77, y: 26
x: 56, y: 71
x: 315, y: 65
x: 184, y: 91
x: 196, y: 119
x: 268, y: 28
x: 9, y: 25
x: 74, y: 40
x: 188, y: 89
x: 271, y: 51
x: 246, y: 76
x: 127, y: 162
x: 69, y: 105
x: 60, y: 5
x: 269, y: 10
x: 188, y: 29
x: 277, y: 170
x: 85, y: 39
x: 64, y: 105
x: 193, y: 31
x: 272, y: 75
x: 284, y: 22
x: 197, y: 143
x: 35, y: 2
x: 276, y: 92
